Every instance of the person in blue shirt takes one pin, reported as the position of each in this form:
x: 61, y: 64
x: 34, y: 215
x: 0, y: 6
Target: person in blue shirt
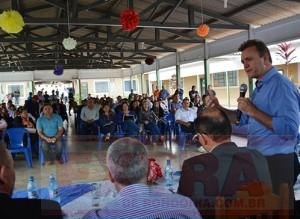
x: 164, y: 93
x: 50, y: 130
x: 271, y: 113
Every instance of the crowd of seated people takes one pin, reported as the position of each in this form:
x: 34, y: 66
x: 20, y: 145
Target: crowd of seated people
x: 28, y: 115
x: 139, y: 115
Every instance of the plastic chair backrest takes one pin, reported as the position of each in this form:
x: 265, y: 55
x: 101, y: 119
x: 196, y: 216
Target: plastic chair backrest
x: 15, y: 137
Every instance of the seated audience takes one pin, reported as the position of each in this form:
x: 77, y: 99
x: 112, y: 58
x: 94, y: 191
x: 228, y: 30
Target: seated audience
x: 50, y: 129
x: 107, y: 122
x: 224, y: 169
x: 21, y: 208
x: 193, y: 93
x: 149, y: 120
x: 185, y: 116
x: 127, y: 161
x: 175, y: 104
x: 127, y: 120
x: 159, y: 113
x: 89, y: 118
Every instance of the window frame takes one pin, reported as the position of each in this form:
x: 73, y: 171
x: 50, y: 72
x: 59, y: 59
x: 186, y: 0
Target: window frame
x: 103, y: 81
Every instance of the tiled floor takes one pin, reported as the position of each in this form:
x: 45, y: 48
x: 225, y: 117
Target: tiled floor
x: 87, y: 161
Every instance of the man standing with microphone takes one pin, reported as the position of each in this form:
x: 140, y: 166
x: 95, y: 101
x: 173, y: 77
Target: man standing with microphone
x: 272, y: 114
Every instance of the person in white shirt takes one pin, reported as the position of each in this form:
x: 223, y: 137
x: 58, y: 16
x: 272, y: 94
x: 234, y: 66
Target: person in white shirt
x: 185, y: 116
x: 89, y: 118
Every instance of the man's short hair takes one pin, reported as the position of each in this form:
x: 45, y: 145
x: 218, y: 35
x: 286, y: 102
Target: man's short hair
x: 127, y: 161
x: 186, y: 99
x: 48, y: 104
x: 260, y: 46
x: 215, y: 123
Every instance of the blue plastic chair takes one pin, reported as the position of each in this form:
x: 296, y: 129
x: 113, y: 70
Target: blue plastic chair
x: 64, y: 152
x: 170, y: 126
x: 16, y: 145
x: 182, y: 137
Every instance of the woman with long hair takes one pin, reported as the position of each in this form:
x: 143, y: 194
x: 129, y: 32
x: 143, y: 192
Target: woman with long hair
x: 107, y: 121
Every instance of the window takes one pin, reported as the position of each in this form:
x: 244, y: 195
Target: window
x: 219, y: 79
x: 14, y: 87
x: 101, y: 86
x: 232, y: 78
x: 127, y: 85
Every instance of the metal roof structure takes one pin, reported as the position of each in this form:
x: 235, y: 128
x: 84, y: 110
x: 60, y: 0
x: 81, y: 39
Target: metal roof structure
x: 166, y: 27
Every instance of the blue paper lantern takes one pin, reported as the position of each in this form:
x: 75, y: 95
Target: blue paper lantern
x: 58, y: 70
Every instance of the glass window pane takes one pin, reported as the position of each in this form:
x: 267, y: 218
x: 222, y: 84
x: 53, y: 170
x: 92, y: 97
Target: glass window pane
x: 219, y: 79
x: 127, y: 85
x: 101, y: 86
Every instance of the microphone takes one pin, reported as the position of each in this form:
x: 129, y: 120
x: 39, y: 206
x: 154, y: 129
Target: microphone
x: 243, y: 90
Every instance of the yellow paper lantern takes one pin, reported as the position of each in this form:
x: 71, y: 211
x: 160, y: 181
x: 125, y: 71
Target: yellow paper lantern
x: 203, y: 30
x: 11, y: 21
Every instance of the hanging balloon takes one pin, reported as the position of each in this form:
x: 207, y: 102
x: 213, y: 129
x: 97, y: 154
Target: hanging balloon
x: 149, y: 60
x: 11, y: 21
x: 58, y: 70
x: 129, y: 19
x: 69, y: 43
x: 203, y: 30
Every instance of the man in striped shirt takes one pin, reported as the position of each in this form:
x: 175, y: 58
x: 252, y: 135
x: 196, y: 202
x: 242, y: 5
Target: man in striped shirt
x: 127, y: 161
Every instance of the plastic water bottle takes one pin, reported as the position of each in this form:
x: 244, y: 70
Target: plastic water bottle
x: 169, y: 174
x: 32, y: 192
x: 53, y: 188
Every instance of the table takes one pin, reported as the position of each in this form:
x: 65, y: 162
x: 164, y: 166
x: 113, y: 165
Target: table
x: 77, y: 199
x: 79, y: 207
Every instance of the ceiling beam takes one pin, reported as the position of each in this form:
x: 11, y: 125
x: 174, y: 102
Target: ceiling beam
x: 116, y: 23
x: 118, y: 39
x: 92, y: 5
x: 86, y: 50
x: 55, y: 3
x: 38, y: 59
x: 210, y: 13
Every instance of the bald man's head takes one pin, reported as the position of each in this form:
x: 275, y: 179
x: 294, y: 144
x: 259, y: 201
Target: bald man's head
x: 215, y: 123
x: 7, y: 172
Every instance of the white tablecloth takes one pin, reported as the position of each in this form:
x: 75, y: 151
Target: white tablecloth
x: 79, y: 207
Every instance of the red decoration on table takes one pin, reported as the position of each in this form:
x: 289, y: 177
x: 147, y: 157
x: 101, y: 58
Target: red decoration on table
x: 154, y: 171
x: 129, y: 19
x: 203, y: 30
x: 149, y: 60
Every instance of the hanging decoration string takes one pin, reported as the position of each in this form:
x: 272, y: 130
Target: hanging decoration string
x: 69, y: 43
x: 225, y: 3
x: 68, y: 16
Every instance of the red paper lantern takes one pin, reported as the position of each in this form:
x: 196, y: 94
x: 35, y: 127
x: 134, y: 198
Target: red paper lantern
x: 129, y: 19
x: 203, y: 30
x: 149, y: 60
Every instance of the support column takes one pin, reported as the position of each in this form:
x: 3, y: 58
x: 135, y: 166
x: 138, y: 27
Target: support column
x: 158, y: 82
x: 205, y: 62
x: 142, y: 82
x: 130, y: 78
x: 198, y: 84
x: 177, y: 71
x: 131, y: 83
x: 227, y: 89
x: 32, y: 87
x: 79, y: 89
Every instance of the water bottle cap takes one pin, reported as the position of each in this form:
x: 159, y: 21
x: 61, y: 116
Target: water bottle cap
x: 168, y: 162
x: 31, y: 178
